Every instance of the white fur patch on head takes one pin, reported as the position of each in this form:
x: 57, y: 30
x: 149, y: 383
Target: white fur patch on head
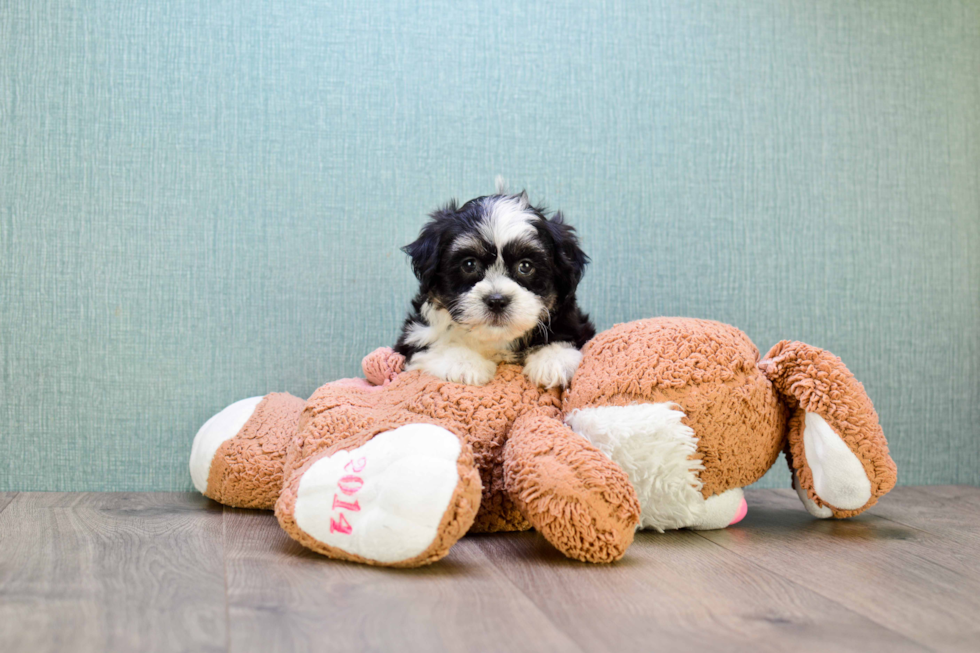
x: 658, y: 452
x: 506, y: 219
x: 466, y: 241
x: 553, y: 366
x: 500, y: 184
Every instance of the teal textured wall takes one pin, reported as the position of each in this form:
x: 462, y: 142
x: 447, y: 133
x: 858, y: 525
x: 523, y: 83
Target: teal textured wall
x: 203, y: 201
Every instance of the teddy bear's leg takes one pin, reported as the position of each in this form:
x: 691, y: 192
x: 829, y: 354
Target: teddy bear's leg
x: 835, y: 446
x: 237, y: 456
x: 580, y: 500
x: 659, y: 452
x: 393, y: 496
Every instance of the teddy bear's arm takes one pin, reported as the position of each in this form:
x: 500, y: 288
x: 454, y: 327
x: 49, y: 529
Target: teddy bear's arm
x: 382, y: 365
x: 580, y: 500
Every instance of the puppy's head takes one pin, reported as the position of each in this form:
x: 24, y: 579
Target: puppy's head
x: 498, y: 265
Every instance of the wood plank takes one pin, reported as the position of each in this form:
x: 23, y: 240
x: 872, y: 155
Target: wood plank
x: 944, y: 531
x: 900, y: 577
x: 681, y: 592
x: 111, y: 572
x: 954, y: 518
x: 283, y: 597
x: 967, y: 494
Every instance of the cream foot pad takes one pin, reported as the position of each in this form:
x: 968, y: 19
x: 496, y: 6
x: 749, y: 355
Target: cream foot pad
x: 216, y: 431
x: 838, y: 475
x: 383, y: 501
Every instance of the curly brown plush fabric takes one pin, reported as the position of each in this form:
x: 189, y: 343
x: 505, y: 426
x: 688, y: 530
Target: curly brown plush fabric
x: 346, y: 414
x: 483, y: 419
x: 247, y: 470
x: 568, y: 490
x: 455, y: 522
x: 743, y: 411
x: 520, y: 466
x: 708, y: 369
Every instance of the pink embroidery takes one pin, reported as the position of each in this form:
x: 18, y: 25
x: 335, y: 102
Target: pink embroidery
x: 348, y: 485
x: 352, y: 466
x: 353, y: 507
x: 341, y: 526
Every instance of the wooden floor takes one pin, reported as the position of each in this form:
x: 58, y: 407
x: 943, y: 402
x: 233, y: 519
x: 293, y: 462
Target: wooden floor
x: 176, y: 572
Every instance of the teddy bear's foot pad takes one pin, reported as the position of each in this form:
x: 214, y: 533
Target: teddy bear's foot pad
x: 383, y: 502
x: 820, y: 512
x: 839, y: 478
x: 223, y: 426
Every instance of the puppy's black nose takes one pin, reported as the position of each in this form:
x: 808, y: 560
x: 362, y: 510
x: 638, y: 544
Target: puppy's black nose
x: 496, y: 302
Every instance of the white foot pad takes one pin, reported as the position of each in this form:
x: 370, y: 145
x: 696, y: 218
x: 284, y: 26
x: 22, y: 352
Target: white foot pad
x: 221, y: 427
x: 383, y: 501
x: 838, y: 475
x: 820, y: 512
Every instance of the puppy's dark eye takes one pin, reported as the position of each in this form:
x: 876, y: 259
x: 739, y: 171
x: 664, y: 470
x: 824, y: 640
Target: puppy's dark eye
x: 470, y: 266
x: 525, y: 267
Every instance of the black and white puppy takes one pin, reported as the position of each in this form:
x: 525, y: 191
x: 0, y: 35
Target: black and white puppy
x: 497, y: 284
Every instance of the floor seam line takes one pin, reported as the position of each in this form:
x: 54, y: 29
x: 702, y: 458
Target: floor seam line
x: 224, y: 568
x: 9, y: 503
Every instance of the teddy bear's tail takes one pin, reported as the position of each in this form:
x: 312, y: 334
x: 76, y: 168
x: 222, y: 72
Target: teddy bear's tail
x: 835, y: 446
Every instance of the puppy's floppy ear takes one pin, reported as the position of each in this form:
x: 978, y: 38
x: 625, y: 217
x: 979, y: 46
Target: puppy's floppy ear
x: 425, y: 250
x: 570, y: 260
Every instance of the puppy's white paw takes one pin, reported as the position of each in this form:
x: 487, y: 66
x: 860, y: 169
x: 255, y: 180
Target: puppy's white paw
x: 455, y: 364
x: 553, y: 365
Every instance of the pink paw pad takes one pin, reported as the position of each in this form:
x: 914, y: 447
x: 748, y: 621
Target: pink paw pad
x: 743, y: 510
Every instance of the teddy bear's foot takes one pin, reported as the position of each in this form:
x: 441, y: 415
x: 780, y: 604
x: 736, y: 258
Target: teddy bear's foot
x: 838, y: 476
x: 222, y: 427
x: 835, y: 446
x: 237, y: 456
x: 820, y: 512
x: 401, y: 499
x: 722, y: 510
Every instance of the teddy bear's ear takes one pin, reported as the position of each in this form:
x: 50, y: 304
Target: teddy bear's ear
x: 570, y: 260
x: 426, y: 248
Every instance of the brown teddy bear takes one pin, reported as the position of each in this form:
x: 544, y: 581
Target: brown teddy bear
x: 664, y: 423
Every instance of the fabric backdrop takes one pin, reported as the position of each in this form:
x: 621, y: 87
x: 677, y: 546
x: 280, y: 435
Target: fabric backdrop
x: 203, y: 201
